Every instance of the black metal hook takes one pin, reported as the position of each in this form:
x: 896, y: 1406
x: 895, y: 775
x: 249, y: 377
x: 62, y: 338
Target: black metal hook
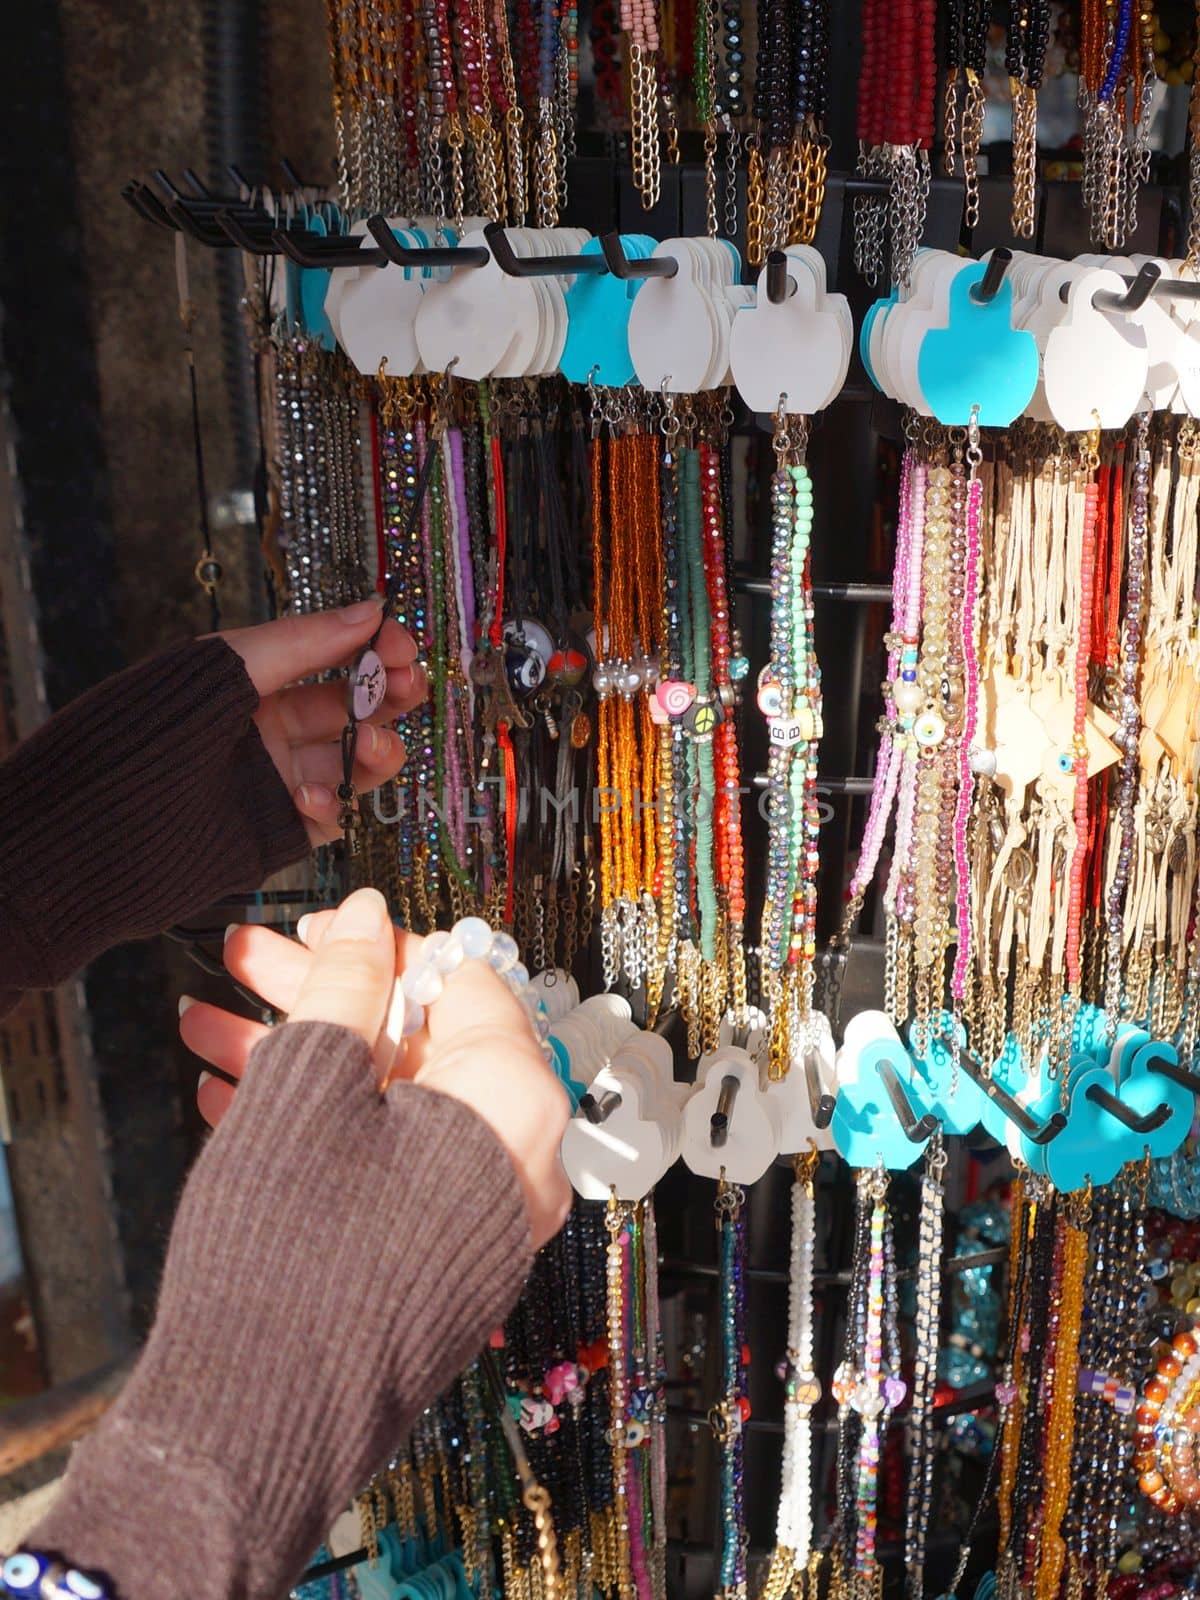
x: 204, y: 230
x: 779, y: 285
x: 147, y: 205
x: 292, y: 176
x: 1115, y: 1107
x: 1172, y: 1069
x: 917, y: 1128
x: 988, y: 287
x: 598, y: 1108
x: 821, y: 1103
x: 514, y: 266
x: 1039, y: 1133
x: 1133, y: 299
x: 620, y: 265
x: 718, y: 1123
x: 256, y: 243
x: 318, y: 250
x: 434, y: 256
x: 197, y: 184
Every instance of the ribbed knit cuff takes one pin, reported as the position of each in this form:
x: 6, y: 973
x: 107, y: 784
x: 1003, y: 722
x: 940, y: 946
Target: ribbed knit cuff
x: 142, y: 802
x: 337, y: 1259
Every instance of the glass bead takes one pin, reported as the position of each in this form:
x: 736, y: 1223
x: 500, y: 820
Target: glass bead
x: 443, y: 952
x: 504, y: 952
x: 474, y: 938
x: 422, y: 983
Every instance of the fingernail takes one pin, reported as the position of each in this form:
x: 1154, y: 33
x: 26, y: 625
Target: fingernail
x: 401, y: 679
x: 381, y: 742
x: 301, y: 925
x: 231, y: 929
x: 313, y: 795
x: 205, y: 1077
x: 185, y: 1001
x: 352, y: 616
x: 363, y: 916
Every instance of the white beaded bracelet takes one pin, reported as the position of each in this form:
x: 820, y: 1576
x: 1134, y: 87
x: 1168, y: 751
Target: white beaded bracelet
x: 469, y: 940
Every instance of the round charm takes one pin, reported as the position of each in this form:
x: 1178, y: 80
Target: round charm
x: 635, y: 1433
x: 528, y: 648
x: 674, y: 697
x: 702, y: 719
x: 929, y: 729
x: 569, y: 662
x: 22, y: 1574
x: 806, y: 1390
x: 739, y: 666
x: 368, y: 685
x: 983, y: 763
x: 581, y: 730
x: 769, y: 697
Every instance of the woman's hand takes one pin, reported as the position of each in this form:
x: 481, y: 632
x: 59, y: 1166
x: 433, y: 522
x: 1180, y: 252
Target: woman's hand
x: 301, y: 723
x: 476, y: 1045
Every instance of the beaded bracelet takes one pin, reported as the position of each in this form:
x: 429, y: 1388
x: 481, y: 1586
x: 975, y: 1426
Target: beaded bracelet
x: 470, y: 939
x: 35, y: 1575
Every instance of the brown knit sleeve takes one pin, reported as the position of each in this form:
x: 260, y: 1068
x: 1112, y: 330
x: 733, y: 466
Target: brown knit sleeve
x: 145, y: 800
x: 337, y: 1258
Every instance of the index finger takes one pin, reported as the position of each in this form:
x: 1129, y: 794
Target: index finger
x: 290, y: 648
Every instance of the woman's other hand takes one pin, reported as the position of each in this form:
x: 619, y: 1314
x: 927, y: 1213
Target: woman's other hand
x: 301, y: 723
x: 476, y: 1046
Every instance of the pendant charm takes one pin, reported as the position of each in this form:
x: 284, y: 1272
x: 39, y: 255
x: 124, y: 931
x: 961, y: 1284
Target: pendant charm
x: 368, y: 685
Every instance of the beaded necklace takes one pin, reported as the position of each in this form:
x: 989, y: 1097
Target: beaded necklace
x: 926, y: 1341
x: 964, y: 101
x: 730, y: 1414
x: 1130, y: 722
x: 1024, y: 59
x: 802, y: 1391
x: 896, y: 92
x: 618, y: 1218
x: 789, y: 695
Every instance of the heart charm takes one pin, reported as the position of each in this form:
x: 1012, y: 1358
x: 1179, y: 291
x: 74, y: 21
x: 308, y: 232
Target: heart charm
x: 894, y: 1391
x: 1006, y: 1393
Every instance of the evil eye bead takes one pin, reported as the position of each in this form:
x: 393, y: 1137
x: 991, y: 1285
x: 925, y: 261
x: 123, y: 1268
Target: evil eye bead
x: 929, y: 729
x: 422, y: 983
x: 79, y: 1584
x: 770, y: 698
x: 22, y: 1573
x: 504, y: 952
x: 635, y: 1433
x: 444, y: 953
x: 473, y: 937
x: 1065, y: 761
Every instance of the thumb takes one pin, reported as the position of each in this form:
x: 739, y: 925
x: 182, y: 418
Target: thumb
x: 349, y: 980
x: 281, y: 652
